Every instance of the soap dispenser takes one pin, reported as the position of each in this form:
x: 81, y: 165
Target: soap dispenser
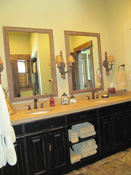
x: 72, y: 99
x: 64, y: 99
x: 52, y: 101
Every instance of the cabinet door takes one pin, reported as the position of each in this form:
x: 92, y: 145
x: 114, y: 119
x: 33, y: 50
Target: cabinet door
x: 118, y: 130
x: 37, y: 154
x: 20, y: 167
x: 128, y: 128
x: 58, y: 149
x: 106, y: 135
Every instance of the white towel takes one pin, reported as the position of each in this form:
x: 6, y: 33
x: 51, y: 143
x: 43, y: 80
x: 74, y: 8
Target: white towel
x: 83, y: 127
x: 88, y: 134
x: 84, y: 150
x: 7, y: 135
x: 75, y: 157
x: 88, y: 143
x: 121, y: 80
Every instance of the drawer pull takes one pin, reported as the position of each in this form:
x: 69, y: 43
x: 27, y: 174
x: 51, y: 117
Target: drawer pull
x: 50, y: 147
x: 82, y: 116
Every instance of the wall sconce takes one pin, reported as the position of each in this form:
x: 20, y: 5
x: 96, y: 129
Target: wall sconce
x: 107, y: 63
x: 61, y: 65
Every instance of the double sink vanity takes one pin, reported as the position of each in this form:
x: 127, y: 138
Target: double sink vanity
x: 43, y: 144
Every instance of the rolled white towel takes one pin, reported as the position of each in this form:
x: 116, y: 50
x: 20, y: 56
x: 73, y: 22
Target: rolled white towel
x: 10, y: 151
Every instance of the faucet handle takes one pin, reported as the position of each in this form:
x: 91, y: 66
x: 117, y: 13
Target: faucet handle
x: 42, y: 104
x: 29, y: 107
x: 88, y: 97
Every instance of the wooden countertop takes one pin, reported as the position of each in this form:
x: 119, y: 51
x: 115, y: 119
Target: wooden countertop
x: 60, y: 110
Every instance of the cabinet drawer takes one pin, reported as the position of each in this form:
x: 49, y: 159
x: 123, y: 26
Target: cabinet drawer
x: 18, y: 130
x: 128, y: 106
x: 109, y: 110
x: 81, y: 116
x: 44, y: 124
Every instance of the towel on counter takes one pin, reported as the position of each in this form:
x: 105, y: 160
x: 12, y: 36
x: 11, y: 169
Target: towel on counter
x: 121, y: 80
x: 7, y: 135
x: 74, y: 157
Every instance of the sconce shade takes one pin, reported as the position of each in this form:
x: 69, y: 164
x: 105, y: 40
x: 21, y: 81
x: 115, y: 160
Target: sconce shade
x: 111, y: 59
x: 70, y: 59
x: 58, y: 60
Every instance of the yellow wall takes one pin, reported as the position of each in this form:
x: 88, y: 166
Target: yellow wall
x: 19, y: 44
x: 109, y: 18
x: 44, y: 57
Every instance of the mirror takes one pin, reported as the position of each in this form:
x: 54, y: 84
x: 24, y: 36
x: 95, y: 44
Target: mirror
x: 30, y: 63
x: 86, y: 72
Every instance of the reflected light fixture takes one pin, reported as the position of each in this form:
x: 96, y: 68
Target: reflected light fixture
x: 61, y: 65
x: 1, y: 68
x: 107, y: 63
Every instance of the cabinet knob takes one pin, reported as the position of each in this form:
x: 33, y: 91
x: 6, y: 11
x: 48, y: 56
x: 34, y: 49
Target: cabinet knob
x: 50, y: 147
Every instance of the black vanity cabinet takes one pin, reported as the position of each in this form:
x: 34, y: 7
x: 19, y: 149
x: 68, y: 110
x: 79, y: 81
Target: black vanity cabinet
x: 128, y: 123
x: 37, y: 153
x: 21, y: 166
x: 112, y: 128
x: 58, y: 150
x: 46, y: 142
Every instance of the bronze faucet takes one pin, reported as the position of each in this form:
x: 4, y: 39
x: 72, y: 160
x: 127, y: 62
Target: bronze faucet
x: 93, y: 94
x: 35, y: 103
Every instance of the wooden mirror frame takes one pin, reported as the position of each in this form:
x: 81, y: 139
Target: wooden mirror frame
x: 97, y: 35
x: 8, y: 62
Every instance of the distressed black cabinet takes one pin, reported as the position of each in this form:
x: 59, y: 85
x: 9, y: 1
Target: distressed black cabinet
x: 112, y: 129
x: 58, y: 151
x: 128, y: 123
x: 21, y: 167
x: 37, y: 154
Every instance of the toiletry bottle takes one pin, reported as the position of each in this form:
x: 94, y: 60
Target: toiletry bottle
x: 64, y: 99
x: 72, y: 99
x: 52, y: 101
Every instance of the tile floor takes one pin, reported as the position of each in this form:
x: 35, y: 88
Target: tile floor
x: 117, y: 164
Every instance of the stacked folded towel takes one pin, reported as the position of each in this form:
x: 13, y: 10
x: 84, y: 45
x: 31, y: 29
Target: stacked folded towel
x: 86, y: 148
x: 75, y: 157
x: 73, y: 136
x: 85, y: 129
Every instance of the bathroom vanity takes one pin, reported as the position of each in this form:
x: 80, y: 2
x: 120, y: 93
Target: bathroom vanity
x: 42, y: 145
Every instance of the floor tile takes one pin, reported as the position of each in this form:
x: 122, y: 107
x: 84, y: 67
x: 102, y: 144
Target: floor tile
x: 93, y: 171
x: 116, y: 167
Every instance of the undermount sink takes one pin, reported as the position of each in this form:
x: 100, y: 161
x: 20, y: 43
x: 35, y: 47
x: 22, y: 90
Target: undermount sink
x: 39, y: 111
x: 100, y: 101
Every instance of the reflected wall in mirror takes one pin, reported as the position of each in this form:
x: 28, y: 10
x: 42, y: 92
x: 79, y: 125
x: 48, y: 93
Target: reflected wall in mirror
x: 86, y: 72
x: 30, y: 63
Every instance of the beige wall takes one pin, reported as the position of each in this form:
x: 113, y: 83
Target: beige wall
x: 76, y: 15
